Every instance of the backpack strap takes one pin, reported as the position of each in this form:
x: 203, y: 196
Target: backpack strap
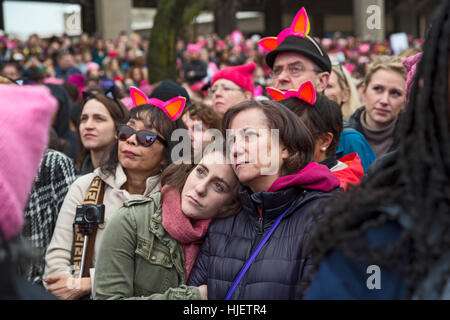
x: 94, y: 195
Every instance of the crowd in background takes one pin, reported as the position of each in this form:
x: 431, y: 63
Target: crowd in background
x: 90, y: 62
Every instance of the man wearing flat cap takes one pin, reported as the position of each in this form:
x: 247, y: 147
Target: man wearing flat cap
x: 295, y: 57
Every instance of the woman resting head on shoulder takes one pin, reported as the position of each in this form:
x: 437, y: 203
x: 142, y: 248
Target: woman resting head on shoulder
x: 150, y: 245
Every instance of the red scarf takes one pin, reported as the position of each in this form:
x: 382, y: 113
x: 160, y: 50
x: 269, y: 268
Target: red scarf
x: 186, y: 231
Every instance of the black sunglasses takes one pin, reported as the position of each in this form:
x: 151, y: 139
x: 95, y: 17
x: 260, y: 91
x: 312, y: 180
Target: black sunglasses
x: 144, y: 137
x: 109, y: 93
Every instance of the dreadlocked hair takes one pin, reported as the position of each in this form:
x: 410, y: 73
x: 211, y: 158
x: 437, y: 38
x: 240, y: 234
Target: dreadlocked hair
x: 416, y: 180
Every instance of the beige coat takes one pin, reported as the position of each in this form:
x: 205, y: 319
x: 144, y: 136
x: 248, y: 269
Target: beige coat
x: 58, y: 256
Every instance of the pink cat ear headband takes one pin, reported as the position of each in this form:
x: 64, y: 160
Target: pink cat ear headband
x: 173, y: 108
x: 300, y: 28
x: 306, y: 92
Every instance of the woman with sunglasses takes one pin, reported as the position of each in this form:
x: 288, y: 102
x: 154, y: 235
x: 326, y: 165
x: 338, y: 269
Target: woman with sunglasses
x: 150, y: 245
x: 132, y: 172
x: 101, y: 113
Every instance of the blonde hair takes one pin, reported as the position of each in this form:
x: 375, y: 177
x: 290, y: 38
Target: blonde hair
x: 408, y: 53
x: 385, y: 63
x: 346, y: 81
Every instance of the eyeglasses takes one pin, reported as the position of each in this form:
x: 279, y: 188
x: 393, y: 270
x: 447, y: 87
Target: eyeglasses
x: 109, y: 93
x: 144, y: 137
x: 224, y: 89
x: 294, y: 70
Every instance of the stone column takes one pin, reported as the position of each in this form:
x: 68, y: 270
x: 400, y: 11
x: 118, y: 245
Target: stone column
x: 113, y: 16
x: 369, y: 19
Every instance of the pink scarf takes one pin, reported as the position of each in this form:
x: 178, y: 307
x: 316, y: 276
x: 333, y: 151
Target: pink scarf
x: 187, y: 232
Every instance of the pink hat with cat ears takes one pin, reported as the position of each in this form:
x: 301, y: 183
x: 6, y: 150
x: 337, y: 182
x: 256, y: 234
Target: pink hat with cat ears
x: 173, y: 108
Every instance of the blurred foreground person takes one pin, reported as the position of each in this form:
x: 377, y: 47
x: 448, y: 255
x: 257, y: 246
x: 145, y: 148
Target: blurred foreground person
x: 392, y: 234
x: 22, y: 150
x: 192, y: 196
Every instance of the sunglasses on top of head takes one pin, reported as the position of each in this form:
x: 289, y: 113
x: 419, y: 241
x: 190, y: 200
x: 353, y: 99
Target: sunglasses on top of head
x: 144, y: 137
x: 109, y: 93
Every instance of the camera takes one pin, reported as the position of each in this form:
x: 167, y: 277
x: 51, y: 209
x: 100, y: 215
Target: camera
x: 90, y: 214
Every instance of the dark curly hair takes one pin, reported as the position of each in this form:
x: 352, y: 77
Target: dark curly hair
x: 415, y: 179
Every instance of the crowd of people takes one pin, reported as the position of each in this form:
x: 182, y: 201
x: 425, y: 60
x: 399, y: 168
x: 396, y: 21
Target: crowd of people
x: 362, y: 162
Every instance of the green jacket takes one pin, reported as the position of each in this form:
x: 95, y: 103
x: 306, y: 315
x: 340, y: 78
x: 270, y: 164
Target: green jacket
x: 138, y: 259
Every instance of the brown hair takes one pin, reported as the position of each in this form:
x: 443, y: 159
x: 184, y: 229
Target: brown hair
x: 293, y: 134
x: 131, y: 71
x: 175, y: 175
x: 118, y: 115
x: 205, y: 114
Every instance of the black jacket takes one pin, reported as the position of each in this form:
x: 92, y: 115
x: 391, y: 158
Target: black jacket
x: 280, y: 267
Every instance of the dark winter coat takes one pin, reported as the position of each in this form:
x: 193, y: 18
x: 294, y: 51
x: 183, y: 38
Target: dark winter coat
x: 280, y: 267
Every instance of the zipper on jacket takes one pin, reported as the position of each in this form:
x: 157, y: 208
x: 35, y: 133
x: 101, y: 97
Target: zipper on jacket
x: 260, y: 223
x: 260, y: 220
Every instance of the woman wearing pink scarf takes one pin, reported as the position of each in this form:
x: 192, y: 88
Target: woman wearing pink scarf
x: 150, y: 246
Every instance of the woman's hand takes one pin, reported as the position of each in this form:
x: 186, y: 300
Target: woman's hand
x: 68, y: 288
x: 203, y: 291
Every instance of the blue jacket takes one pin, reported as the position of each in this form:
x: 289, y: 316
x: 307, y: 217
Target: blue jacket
x: 353, y: 141
x: 340, y: 278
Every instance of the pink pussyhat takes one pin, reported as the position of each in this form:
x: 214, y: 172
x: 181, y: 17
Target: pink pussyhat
x: 25, y: 115
x: 92, y: 66
x: 194, y: 48
x: 411, y: 64
x: 128, y: 103
x: 52, y: 80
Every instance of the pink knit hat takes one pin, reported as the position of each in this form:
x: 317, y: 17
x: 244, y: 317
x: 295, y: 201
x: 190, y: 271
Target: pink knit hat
x: 411, y: 64
x: 241, y: 75
x: 194, y: 48
x: 25, y: 114
x: 92, y: 66
x: 128, y: 103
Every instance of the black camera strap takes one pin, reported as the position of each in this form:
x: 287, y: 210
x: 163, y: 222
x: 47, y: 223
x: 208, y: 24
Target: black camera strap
x: 94, y: 195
